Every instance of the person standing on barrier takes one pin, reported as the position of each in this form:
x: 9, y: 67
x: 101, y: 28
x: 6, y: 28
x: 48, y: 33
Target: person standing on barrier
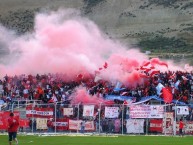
x: 181, y: 126
x: 13, y: 124
x: 50, y: 125
x: 82, y: 126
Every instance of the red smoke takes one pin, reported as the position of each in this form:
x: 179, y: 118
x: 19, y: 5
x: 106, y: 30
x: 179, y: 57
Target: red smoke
x: 64, y: 42
x: 81, y: 96
x: 156, y: 61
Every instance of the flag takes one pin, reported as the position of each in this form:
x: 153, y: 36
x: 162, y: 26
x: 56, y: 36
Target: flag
x: 184, y: 78
x: 156, y: 61
x: 118, y: 87
x: 159, y: 88
x: 105, y: 65
x: 146, y: 63
x: 124, y: 93
x: 173, y: 76
x: 177, y: 84
x: 53, y: 99
x: 167, y: 95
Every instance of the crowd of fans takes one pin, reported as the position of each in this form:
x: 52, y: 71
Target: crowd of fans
x: 51, y: 87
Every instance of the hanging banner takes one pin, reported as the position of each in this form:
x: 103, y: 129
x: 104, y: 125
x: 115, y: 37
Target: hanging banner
x: 146, y: 111
x: 4, y: 115
x: 156, y: 125
x: 67, y: 111
x: 135, y: 125
x: 111, y: 112
x: 41, y: 123
x: 182, y: 110
x: 117, y: 124
x: 188, y: 128
x: 61, y: 124
x: 168, y: 123
x: 88, y: 110
x: 24, y: 123
x: 39, y: 112
x: 76, y: 125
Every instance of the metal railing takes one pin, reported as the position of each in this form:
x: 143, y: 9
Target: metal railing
x: 118, y: 121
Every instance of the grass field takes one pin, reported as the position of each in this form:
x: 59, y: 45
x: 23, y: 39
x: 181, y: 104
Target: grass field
x: 99, y: 140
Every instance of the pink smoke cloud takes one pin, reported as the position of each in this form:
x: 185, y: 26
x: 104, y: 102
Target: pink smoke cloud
x: 81, y: 96
x: 64, y: 42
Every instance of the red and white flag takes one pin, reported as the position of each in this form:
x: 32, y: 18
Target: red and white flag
x: 167, y: 95
x: 53, y: 99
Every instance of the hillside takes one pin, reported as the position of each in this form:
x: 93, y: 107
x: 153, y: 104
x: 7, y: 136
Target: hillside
x: 164, y: 27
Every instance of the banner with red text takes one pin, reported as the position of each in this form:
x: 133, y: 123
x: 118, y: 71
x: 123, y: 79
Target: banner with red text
x: 111, y: 112
x: 156, y: 125
x: 146, y: 111
x: 67, y: 111
x: 168, y: 121
x: 61, y: 124
x: 88, y: 110
x: 75, y: 125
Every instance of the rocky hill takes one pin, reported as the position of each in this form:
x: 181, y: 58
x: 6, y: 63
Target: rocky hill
x: 164, y: 27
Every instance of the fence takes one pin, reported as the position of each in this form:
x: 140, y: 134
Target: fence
x: 99, y: 118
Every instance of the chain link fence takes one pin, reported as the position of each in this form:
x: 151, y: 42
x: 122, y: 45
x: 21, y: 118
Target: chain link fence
x: 140, y: 119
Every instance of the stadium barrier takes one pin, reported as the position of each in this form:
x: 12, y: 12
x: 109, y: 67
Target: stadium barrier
x: 121, y: 119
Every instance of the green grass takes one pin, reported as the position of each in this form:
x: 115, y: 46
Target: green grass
x: 99, y: 140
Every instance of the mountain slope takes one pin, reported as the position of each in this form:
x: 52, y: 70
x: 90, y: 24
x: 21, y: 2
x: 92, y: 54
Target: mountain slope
x: 160, y: 26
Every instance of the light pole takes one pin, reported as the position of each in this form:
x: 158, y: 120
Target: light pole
x: 175, y: 115
x: 99, y: 111
x: 12, y: 107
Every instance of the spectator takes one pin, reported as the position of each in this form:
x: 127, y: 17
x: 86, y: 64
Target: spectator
x: 50, y: 125
x: 82, y: 126
x: 13, y: 124
x: 181, y: 127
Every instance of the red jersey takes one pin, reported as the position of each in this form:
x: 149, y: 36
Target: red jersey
x: 181, y: 125
x: 13, y: 124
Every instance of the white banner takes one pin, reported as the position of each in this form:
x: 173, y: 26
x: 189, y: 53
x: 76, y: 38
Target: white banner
x: 88, y: 110
x: 146, y: 111
x: 135, y: 126
x: 182, y: 110
x: 76, y: 125
x: 111, y: 112
x: 168, y: 121
x: 41, y: 123
x: 41, y: 113
x: 67, y: 111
